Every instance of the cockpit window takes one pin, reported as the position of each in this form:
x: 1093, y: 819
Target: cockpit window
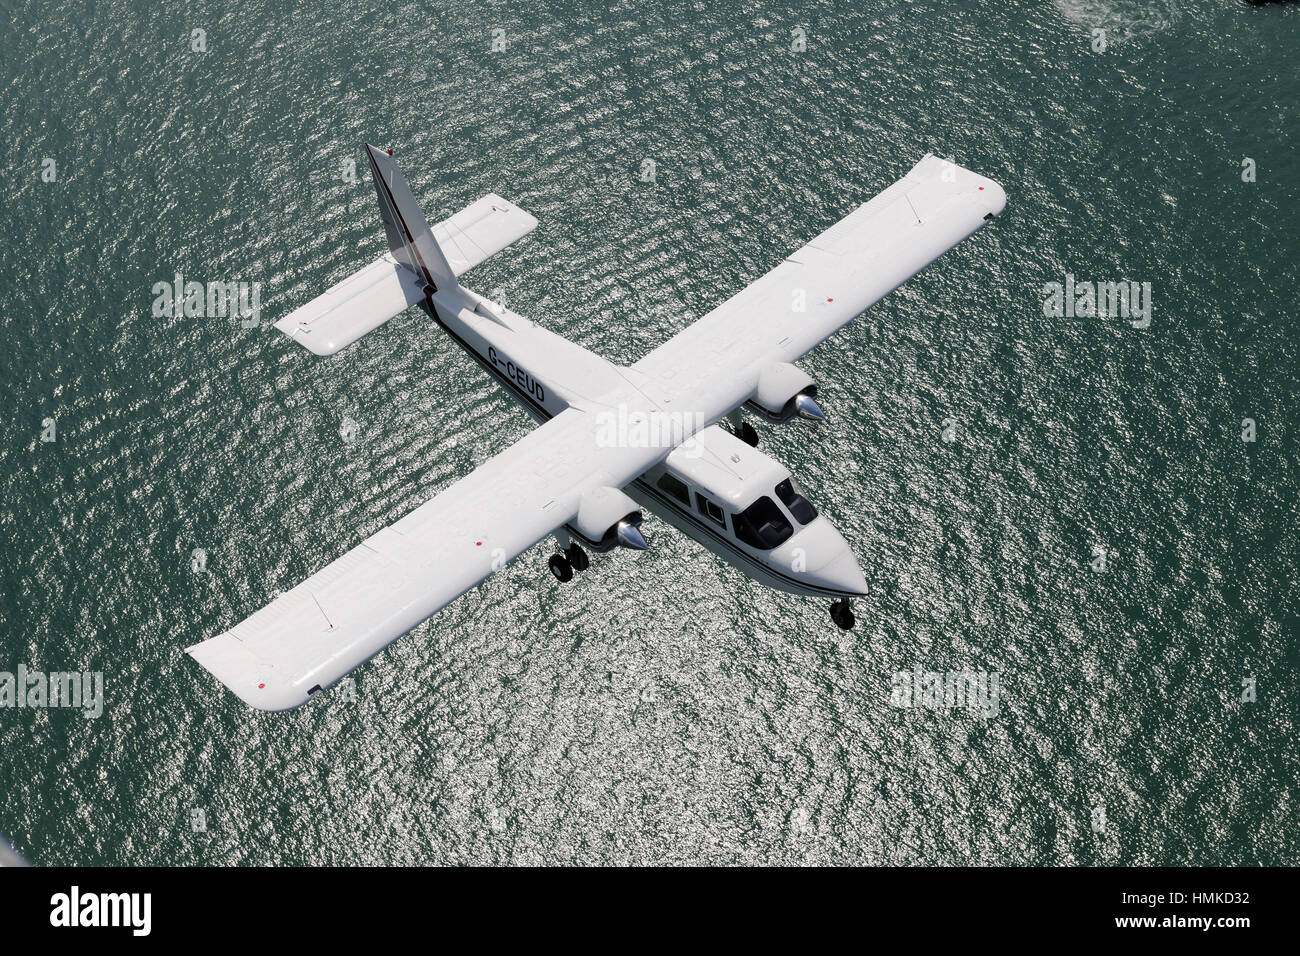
x: 762, y: 525
x: 799, y: 506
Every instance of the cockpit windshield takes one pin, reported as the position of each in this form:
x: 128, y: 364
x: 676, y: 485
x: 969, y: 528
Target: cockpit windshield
x: 762, y: 525
x: 799, y: 506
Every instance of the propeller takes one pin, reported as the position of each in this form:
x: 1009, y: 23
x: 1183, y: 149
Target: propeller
x: 629, y: 536
x: 809, y: 408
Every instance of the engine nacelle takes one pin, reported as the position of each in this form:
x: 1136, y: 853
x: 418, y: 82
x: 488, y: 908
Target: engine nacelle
x: 784, y: 391
x: 606, y: 518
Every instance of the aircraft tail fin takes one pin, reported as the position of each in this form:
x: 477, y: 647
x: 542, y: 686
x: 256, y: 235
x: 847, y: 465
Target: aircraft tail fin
x: 409, y: 236
x: 422, y: 261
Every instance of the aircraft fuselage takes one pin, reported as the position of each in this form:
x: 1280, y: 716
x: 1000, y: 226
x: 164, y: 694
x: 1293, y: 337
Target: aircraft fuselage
x: 736, y: 501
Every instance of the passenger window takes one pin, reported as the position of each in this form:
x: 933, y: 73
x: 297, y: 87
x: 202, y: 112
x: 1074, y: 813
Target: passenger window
x: 799, y: 506
x: 762, y: 525
x: 707, y: 507
x: 670, y: 483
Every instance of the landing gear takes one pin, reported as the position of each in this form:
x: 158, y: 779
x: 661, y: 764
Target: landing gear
x: 577, y: 557
x: 571, y: 558
x: 842, y: 614
x: 560, y: 567
x: 743, y: 429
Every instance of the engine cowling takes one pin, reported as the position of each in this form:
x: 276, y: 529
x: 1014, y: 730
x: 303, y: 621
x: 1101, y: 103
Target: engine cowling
x: 784, y: 391
x: 608, y: 518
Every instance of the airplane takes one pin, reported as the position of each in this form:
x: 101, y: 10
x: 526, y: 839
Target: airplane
x: 611, y: 442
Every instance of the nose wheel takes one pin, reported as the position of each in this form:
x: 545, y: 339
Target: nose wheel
x: 842, y: 614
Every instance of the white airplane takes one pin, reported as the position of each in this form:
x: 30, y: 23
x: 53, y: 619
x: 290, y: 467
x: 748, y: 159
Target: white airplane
x: 611, y: 439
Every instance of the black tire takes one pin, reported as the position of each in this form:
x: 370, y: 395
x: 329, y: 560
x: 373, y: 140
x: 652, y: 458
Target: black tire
x: 748, y: 435
x: 560, y: 567
x: 842, y: 615
x: 578, y: 557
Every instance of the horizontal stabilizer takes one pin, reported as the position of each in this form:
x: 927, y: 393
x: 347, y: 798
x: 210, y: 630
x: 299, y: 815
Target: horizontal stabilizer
x: 367, y: 299
x: 480, y: 230
x: 363, y: 301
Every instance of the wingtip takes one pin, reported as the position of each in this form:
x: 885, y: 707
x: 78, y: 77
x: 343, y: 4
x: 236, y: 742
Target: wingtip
x: 244, y: 676
x: 998, y: 199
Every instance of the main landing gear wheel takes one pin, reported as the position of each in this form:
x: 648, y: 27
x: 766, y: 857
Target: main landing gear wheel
x: 842, y: 614
x: 748, y: 435
x: 560, y: 567
x: 577, y: 557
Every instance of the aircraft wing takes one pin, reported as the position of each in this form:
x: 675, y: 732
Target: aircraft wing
x: 311, y: 636
x: 713, y: 365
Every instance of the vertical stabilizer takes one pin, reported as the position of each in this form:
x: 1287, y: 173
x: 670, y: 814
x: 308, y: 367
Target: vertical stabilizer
x: 409, y: 236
